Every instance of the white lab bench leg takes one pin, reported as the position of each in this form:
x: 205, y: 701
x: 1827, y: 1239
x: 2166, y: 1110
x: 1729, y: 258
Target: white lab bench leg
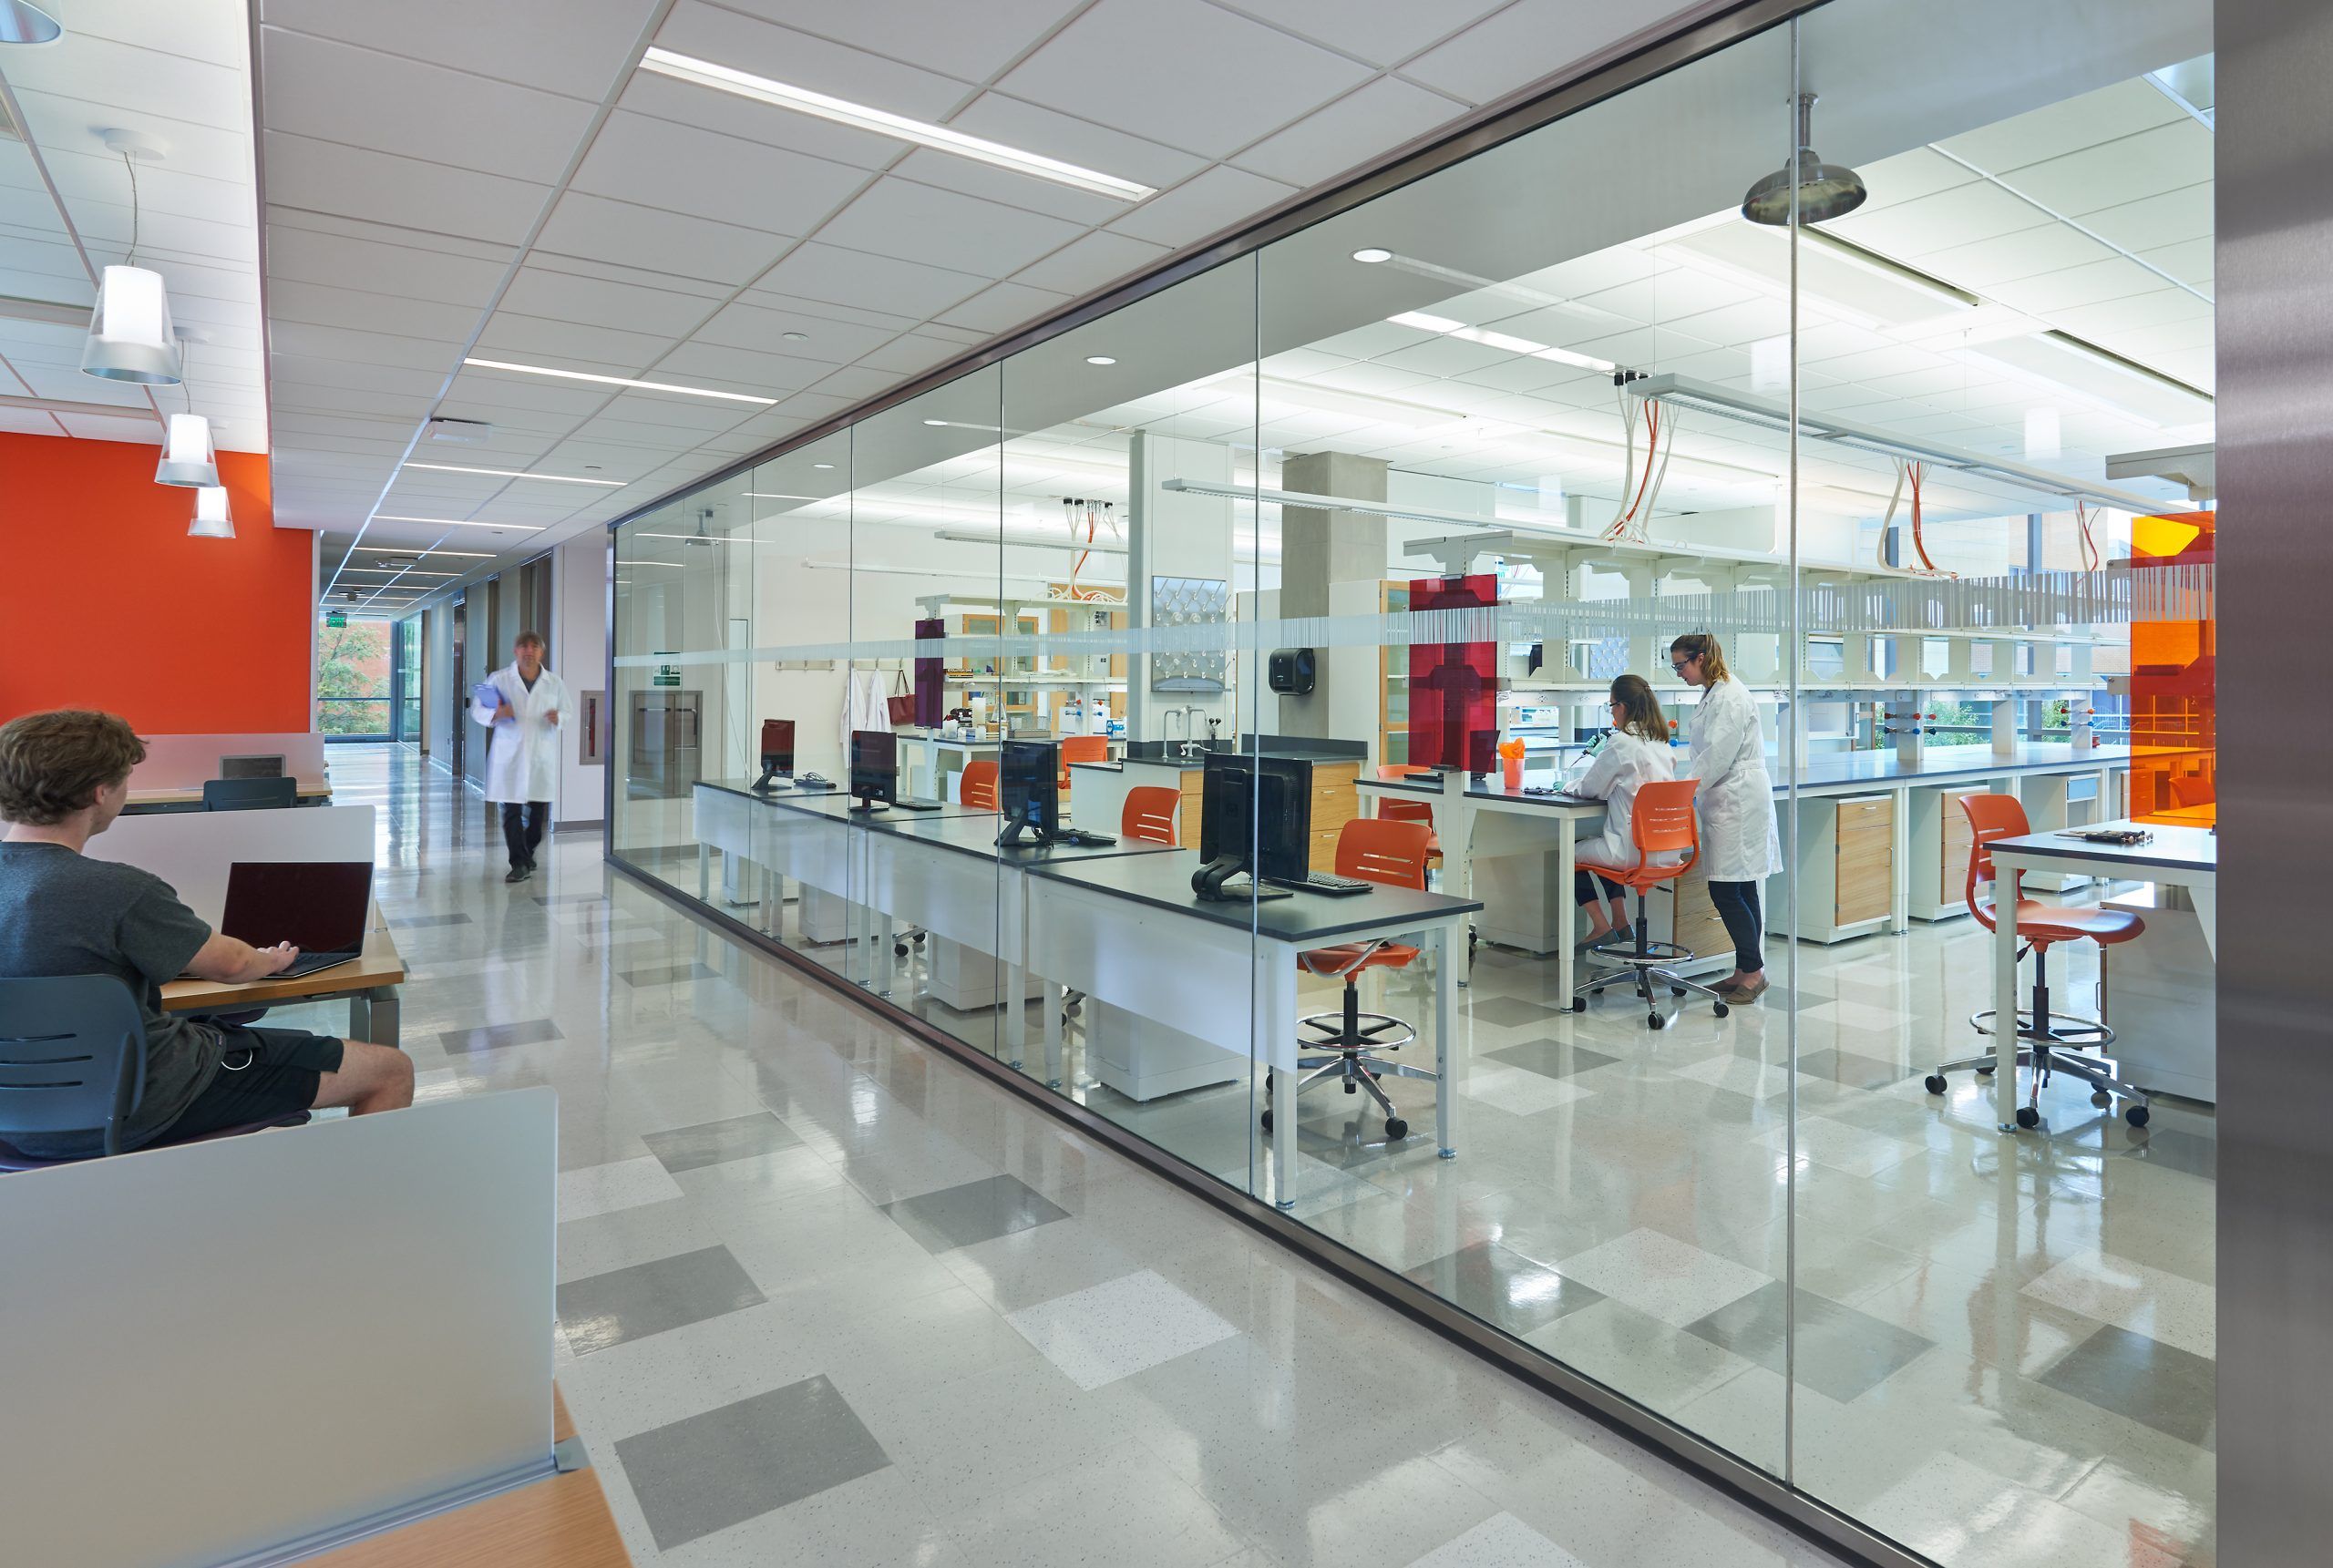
x: 1013, y: 1026
x: 1899, y: 893
x: 880, y: 956
x: 1566, y: 871
x: 1275, y: 1033
x: 1460, y: 842
x: 703, y: 871
x: 1052, y: 1002
x: 2206, y: 901
x: 2005, y: 1042
x: 1445, y: 1055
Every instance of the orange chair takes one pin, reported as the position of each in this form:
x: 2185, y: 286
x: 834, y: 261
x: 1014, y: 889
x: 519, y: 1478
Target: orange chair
x: 1082, y: 749
x: 2047, y: 1042
x: 1153, y: 813
x: 2192, y: 789
x: 979, y: 787
x: 1390, y: 808
x: 1376, y: 850
x: 1661, y: 822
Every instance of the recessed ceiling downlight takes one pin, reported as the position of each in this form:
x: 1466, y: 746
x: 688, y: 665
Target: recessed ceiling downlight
x: 1099, y: 359
x: 1369, y: 255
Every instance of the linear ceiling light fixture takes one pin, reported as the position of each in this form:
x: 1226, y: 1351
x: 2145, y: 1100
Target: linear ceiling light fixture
x: 617, y: 380
x: 939, y: 137
x: 433, y: 551
x: 1507, y: 342
x: 458, y: 523
x: 517, y: 474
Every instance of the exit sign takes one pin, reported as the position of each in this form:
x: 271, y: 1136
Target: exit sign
x: 336, y: 619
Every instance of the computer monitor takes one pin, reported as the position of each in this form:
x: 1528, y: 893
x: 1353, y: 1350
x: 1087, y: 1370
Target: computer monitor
x: 1029, y: 791
x: 777, y: 752
x: 1255, y: 815
x: 873, y: 768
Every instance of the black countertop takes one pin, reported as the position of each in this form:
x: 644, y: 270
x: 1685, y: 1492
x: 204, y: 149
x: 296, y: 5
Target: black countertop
x: 835, y: 803
x: 977, y: 836
x: 1164, y: 882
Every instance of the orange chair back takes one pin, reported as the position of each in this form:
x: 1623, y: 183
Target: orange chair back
x: 1991, y: 817
x: 2193, y: 789
x: 1151, y: 814
x: 1376, y: 849
x: 980, y: 785
x: 1082, y: 749
x: 1392, y: 809
x: 1660, y: 820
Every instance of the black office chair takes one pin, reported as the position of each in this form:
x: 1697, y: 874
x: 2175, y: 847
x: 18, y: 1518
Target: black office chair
x: 73, y: 1060
x: 249, y: 794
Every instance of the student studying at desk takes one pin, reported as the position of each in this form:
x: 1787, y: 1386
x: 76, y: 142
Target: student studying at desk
x: 64, y: 777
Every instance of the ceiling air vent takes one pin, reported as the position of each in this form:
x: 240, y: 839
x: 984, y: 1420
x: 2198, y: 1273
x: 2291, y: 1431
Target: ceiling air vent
x: 462, y: 432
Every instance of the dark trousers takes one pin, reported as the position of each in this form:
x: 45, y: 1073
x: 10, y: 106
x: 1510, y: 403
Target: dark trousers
x: 522, y: 829
x: 1583, y: 886
x: 1737, y: 906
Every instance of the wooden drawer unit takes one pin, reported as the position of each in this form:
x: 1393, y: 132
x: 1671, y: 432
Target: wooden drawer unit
x: 1187, y: 824
x: 1864, y: 885
x: 1952, y: 863
x: 1695, y: 922
x: 1335, y: 802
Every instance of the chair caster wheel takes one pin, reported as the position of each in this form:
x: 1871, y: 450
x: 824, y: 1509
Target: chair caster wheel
x: 1935, y: 1083
x: 1071, y: 1010
x: 1267, y: 1120
x: 1719, y: 1009
x: 1396, y: 1128
x: 898, y: 950
x: 1676, y: 991
x: 1579, y: 1004
x: 2100, y: 1097
x: 1986, y: 1071
x: 2136, y: 1115
x: 2028, y: 1117
x: 1654, y: 1020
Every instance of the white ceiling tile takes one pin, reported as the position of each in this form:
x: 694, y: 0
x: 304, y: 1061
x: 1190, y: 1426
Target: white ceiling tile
x: 2103, y: 322
x: 165, y: 89
x: 540, y: 290
x: 1955, y: 217
x: 318, y: 87
x: 1210, y: 82
x: 2165, y: 159
x: 104, y: 427
x: 854, y: 383
x: 657, y: 163
x: 1087, y: 264
x: 911, y: 353
x: 786, y: 54
x: 2068, y: 126
x: 992, y: 182
x: 1908, y: 176
x: 376, y: 263
x: 2028, y: 252
x: 2190, y: 260
x: 2113, y: 278
x: 28, y: 422
x: 289, y: 299
x: 769, y: 374
x: 902, y: 219
x: 1220, y: 197
x: 1527, y: 41
x: 1004, y: 305
x: 1105, y: 148
x: 819, y: 271
x: 596, y: 229
x: 1380, y: 31
x: 526, y: 339
x: 308, y: 175
x: 683, y: 103
x: 756, y: 326
x: 970, y: 42
x: 1373, y: 119
x: 305, y: 340
x: 2161, y: 220
x: 580, y: 57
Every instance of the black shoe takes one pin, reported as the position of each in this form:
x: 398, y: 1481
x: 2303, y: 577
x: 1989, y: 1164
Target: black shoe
x: 517, y: 873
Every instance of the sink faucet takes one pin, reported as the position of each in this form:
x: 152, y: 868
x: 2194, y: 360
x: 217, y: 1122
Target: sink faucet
x: 1191, y: 747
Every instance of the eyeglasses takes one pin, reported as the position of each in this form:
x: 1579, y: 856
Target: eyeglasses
x: 1679, y: 664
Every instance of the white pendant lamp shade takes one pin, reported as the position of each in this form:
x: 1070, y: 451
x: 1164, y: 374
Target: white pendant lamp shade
x: 23, y: 22
x: 130, y: 334
x: 211, y: 520
x: 187, y: 456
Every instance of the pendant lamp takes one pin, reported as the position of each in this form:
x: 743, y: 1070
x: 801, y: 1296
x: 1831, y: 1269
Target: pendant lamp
x: 130, y: 332
x: 211, y: 520
x: 187, y: 454
x: 21, y: 23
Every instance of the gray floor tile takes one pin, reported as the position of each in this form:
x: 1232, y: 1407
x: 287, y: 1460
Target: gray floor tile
x: 1511, y: 1012
x: 1549, y: 1058
x: 1845, y: 1067
x: 533, y: 1031
x: 974, y: 1212
x: 1502, y: 1287
x: 2157, y: 1385
x: 570, y: 898
x: 1843, y: 1354
x: 2177, y: 1151
x: 707, y: 1472
x: 605, y: 1309
x: 669, y: 974
x: 718, y: 1143
x: 423, y: 922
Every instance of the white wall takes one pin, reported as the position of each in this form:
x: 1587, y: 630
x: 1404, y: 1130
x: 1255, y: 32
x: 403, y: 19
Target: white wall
x: 578, y: 641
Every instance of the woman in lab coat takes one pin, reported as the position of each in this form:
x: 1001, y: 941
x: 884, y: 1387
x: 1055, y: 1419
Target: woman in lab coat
x: 523, y: 758
x: 1741, y: 845
x: 1633, y: 754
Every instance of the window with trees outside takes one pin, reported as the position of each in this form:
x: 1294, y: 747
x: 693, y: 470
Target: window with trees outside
x: 353, y: 679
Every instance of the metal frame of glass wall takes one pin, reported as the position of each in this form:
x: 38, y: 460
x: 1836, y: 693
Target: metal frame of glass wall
x: 1265, y: 534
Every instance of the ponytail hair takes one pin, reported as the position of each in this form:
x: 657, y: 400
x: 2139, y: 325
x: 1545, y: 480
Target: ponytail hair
x: 1700, y: 645
x: 1639, y: 710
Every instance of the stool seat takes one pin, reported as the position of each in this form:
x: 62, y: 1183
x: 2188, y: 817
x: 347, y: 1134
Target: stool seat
x: 2040, y: 922
x: 1352, y: 956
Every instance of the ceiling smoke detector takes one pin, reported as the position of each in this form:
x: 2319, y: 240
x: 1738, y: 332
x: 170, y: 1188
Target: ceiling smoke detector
x: 461, y: 432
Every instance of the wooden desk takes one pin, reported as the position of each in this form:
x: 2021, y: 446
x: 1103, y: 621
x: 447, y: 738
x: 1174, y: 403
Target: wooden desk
x: 312, y: 792
x: 559, y: 1521
x: 370, y: 984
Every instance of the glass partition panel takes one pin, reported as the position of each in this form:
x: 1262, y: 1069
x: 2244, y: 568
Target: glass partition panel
x: 2004, y: 1319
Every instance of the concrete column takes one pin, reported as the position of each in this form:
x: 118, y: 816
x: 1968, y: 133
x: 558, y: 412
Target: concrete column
x: 1320, y: 547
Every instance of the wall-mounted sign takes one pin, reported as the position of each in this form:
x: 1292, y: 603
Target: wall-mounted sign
x: 666, y: 674
x: 593, y: 745
x: 335, y: 618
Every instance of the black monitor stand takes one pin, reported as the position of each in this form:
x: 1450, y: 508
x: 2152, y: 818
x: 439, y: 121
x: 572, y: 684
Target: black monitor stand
x: 1023, y: 833
x: 1207, y: 882
x: 868, y: 803
x: 771, y: 774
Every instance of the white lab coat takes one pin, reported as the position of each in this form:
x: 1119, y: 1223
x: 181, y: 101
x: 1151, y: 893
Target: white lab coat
x: 866, y: 705
x: 1624, y: 763
x: 523, y: 758
x: 1739, y: 839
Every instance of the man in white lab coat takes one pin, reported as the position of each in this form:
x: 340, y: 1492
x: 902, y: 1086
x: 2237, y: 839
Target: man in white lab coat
x: 522, y: 758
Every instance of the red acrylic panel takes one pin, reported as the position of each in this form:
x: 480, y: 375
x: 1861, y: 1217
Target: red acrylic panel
x: 930, y: 681
x: 2173, y: 771
x: 1454, y: 686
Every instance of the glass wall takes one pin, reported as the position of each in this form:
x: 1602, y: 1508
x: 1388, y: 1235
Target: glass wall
x: 353, y: 679
x: 1215, y: 711
x: 405, y: 680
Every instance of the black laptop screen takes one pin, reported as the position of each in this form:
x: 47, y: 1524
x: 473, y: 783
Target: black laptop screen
x: 319, y: 906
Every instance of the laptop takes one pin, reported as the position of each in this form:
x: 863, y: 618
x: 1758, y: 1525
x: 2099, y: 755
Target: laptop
x: 318, y: 905
x: 252, y: 765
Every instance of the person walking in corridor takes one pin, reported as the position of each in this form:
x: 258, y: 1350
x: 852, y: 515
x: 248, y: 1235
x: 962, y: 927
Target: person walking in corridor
x: 523, y: 758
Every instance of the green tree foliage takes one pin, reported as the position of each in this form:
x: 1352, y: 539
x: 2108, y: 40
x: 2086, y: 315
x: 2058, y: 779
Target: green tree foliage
x: 353, y: 661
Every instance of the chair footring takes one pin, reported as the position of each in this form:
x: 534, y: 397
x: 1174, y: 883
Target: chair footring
x: 1654, y: 954
x: 1378, y: 1031
x: 2072, y: 1031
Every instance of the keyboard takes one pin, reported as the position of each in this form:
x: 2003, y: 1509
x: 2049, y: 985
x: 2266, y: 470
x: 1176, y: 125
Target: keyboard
x: 1084, y: 840
x: 1322, y: 882
x: 912, y: 804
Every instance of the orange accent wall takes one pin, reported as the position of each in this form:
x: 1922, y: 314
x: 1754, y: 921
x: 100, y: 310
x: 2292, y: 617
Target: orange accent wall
x: 104, y: 602
x: 2174, y: 672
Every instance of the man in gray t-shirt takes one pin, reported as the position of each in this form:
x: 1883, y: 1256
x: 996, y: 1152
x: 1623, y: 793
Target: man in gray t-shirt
x: 64, y: 777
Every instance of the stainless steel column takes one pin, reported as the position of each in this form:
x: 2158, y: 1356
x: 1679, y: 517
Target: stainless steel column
x: 2275, y: 571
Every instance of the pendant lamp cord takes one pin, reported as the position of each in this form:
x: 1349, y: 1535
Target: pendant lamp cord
x: 132, y: 164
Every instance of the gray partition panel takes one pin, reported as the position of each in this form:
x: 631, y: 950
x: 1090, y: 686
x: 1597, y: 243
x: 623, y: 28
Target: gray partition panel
x: 210, y: 1353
